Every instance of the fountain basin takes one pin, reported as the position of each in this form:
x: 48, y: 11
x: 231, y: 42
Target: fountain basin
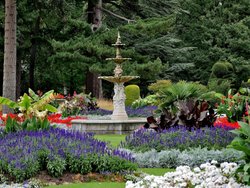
x: 118, y: 60
x: 120, y: 79
x: 108, y: 126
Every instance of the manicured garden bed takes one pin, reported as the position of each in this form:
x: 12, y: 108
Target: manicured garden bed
x: 25, y: 153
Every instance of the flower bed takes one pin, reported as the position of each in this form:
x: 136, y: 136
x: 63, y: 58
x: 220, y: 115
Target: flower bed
x: 53, y: 118
x: 178, y: 138
x: 25, y: 153
x: 207, y: 175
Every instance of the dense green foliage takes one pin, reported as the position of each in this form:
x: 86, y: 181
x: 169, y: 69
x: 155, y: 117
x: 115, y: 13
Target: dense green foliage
x: 159, y: 85
x: 176, y: 40
x: 219, y: 30
x: 242, y: 143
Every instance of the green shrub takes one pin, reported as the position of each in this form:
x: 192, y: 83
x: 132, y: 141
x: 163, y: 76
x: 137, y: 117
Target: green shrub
x: 159, y: 85
x: 132, y: 93
x: 107, y: 163
x: 56, y: 166
x: 19, y: 173
x: 221, y: 69
x: 219, y: 85
x: 179, y: 92
x: 79, y: 165
x: 150, y: 100
x: 242, y: 143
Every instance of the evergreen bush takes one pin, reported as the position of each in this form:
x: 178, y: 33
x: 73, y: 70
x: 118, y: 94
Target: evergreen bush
x: 132, y: 93
x: 219, y: 70
x: 159, y: 85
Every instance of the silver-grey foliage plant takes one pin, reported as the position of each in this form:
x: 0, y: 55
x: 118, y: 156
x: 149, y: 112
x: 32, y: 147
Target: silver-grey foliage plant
x: 192, y: 157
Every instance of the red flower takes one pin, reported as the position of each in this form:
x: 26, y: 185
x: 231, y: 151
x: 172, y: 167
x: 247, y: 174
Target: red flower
x: 59, y: 96
x: 223, y: 121
x: 56, y: 118
x: 12, y: 116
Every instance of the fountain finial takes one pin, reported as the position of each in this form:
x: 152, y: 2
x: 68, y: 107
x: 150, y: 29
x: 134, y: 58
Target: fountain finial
x: 118, y: 45
x: 118, y: 40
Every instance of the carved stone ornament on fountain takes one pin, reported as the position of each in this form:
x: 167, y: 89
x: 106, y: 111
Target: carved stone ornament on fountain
x: 119, y: 112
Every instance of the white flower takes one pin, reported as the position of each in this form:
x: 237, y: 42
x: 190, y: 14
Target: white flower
x: 184, y: 184
x: 4, y: 115
x: 197, y: 169
x: 210, y: 177
x: 214, y: 162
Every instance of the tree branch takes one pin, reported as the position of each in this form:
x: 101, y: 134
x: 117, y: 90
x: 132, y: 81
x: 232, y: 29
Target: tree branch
x: 118, y: 16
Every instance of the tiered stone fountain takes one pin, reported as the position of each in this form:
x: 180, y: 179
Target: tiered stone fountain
x: 119, y: 97
x: 119, y: 122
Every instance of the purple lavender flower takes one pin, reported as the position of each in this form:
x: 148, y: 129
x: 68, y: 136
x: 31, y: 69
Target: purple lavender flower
x: 178, y: 138
x: 21, y: 150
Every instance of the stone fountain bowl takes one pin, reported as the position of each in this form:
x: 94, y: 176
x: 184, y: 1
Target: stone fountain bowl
x: 120, y: 79
x: 118, y: 60
x: 108, y: 126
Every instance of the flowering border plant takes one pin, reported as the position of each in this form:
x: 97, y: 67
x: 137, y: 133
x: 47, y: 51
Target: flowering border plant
x: 207, y: 175
x: 32, y: 111
x: 235, y: 107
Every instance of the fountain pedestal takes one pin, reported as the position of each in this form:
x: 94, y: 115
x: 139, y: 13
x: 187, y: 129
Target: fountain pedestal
x: 119, y: 98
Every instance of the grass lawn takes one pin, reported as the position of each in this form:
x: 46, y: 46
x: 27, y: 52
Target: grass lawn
x: 91, y: 185
x: 112, y: 139
x: 156, y: 171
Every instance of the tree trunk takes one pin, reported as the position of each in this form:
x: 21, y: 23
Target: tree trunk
x: 95, y: 14
x: 33, y: 53
x: 9, y: 72
x: 93, y: 85
x: 32, y: 64
x: 18, y: 76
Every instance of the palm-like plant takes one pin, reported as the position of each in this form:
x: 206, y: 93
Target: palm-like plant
x: 180, y: 105
x: 181, y: 91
